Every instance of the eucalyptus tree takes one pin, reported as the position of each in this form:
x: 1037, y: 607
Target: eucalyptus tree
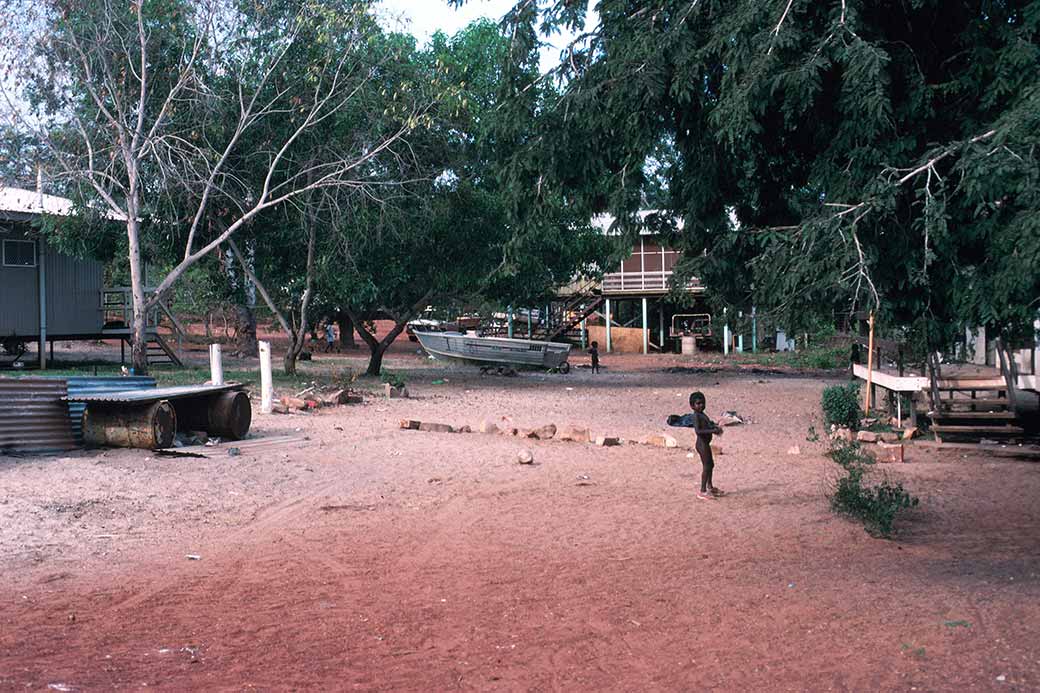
x: 142, y: 107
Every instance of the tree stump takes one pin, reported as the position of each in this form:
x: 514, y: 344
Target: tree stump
x: 148, y: 426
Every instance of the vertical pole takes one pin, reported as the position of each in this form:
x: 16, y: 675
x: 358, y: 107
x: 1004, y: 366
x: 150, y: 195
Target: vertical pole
x: 584, y: 334
x: 41, y: 273
x: 266, y: 387
x: 754, y: 331
x: 216, y: 366
x: 870, y: 364
x: 740, y: 337
x: 528, y: 323
x: 610, y: 344
x: 725, y: 333
x: 646, y: 329
x: 509, y: 321
x: 122, y: 352
x: 660, y: 331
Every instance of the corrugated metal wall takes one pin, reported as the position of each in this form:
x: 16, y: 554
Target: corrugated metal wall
x: 73, y: 294
x: 87, y: 385
x: 33, y: 416
x: 19, y: 286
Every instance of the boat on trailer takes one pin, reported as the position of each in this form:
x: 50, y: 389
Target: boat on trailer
x: 490, y: 352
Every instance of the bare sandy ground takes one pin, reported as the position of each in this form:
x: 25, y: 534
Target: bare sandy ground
x: 364, y: 557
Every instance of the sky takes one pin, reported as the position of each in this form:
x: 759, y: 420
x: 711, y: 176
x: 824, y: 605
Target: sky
x: 424, y: 17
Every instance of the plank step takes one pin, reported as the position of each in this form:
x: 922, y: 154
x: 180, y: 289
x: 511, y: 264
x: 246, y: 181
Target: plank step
x: 977, y: 402
x: 975, y: 415
x: 989, y: 430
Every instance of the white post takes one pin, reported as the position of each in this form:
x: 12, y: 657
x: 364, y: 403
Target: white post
x: 660, y: 331
x: 266, y: 388
x: 216, y: 367
x: 725, y: 334
x: 646, y: 330
x: 610, y: 345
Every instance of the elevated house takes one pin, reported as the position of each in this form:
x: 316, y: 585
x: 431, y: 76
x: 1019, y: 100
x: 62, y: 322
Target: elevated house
x: 48, y: 296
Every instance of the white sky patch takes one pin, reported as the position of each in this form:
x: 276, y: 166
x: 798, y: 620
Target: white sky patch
x: 423, y: 18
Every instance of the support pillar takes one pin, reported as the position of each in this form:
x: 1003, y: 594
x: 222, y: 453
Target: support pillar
x: 584, y: 335
x: 528, y: 323
x: 646, y: 329
x: 509, y: 321
x: 41, y: 273
x: 266, y: 380
x: 754, y: 331
x: 725, y: 334
x: 661, y: 330
x: 610, y: 345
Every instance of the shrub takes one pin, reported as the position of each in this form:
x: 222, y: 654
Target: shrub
x: 841, y: 405
x: 391, y: 378
x: 849, y: 455
x: 875, y: 506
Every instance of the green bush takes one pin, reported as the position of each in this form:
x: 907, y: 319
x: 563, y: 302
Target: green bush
x: 849, y: 455
x: 391, y: 378
x: 875, y: 506
x: 841, y: 405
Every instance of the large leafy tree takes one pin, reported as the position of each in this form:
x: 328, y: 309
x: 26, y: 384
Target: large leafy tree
x: 824, y: 156
x: 146, y: 108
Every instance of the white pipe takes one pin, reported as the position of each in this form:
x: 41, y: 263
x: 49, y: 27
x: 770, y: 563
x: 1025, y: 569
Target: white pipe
x: 610, y: 345
x: 216, y: 367
x: 266, y: 387
x: 646, y: 330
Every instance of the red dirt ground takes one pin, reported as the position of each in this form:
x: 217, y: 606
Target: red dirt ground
x: 371, y: 558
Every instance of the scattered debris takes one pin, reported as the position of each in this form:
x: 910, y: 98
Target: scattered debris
x: 193, y: 557
x: 395, y: 392
x: 233, y: 452
x: 176, y: 453
x: 575, y: 434
x: 430, y: 427
x: 525, y: 456
x: 545, y: 432
x: 607, y: 441
x: 794, y: 450
x: 730, y: 418
x: 410, y: 424
x: 661, y: 440
x: 910, y: 433
x: 488, y: 427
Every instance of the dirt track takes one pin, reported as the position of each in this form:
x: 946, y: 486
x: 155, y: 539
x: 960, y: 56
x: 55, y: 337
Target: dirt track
x: 372, y: 558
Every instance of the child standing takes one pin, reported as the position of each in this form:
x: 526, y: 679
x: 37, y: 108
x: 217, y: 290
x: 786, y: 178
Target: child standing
x: 330, y: 337
x: 704, y: 428
x: 594, y: 353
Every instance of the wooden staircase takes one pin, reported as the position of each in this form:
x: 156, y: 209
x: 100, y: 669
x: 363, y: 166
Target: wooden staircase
x: 972, y: 408
x: 159, y: 351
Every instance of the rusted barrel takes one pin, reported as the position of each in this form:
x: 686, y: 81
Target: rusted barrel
x: 230, y: 414
x: 148, y: 426
x: 224, y: 415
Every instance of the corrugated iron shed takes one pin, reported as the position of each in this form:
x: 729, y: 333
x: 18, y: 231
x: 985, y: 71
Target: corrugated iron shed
x: 34, y: 416
x: 151, y: 395
x: 94, y: 385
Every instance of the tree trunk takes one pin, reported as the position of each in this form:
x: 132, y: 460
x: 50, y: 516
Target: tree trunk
x: 138, y: 320
x: 300, y: 336
x: 247, y: 346
x: 375, y: 361
x: 346, y: 331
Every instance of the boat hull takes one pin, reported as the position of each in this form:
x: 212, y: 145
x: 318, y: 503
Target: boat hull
x: 494, y: 350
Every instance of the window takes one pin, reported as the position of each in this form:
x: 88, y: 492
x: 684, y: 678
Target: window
x: 19, y: 254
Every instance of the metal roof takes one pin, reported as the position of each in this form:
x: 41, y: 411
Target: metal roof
x: 93, y: 385
x: 32, y: 203
x: 152, y: 394
x: 33, y: 416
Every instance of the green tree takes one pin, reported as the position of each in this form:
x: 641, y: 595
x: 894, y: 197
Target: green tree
x: 826, y: 155
x: 144, y: 107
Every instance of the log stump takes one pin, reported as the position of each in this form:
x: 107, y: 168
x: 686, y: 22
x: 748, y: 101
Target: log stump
x: 148, y: 426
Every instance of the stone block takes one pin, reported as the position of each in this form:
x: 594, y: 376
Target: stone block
x: 607, y: 441
x: 410, y: 424
x: 889, y: 437
x: 661, y: 440
x: 574, y: 433
x: 392, y: 392
x: 294, y: 403
x: 545, y: 432
x: 435, y: 427
x: 866, y: 437
x: 525, y: 456
x: 489, y: 427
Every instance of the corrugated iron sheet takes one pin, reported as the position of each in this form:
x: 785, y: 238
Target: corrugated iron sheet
x: 95, y: 385
x: 142, y: 395
x: 34, y: 416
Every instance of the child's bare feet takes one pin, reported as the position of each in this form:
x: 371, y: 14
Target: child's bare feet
x: 705, y: 495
